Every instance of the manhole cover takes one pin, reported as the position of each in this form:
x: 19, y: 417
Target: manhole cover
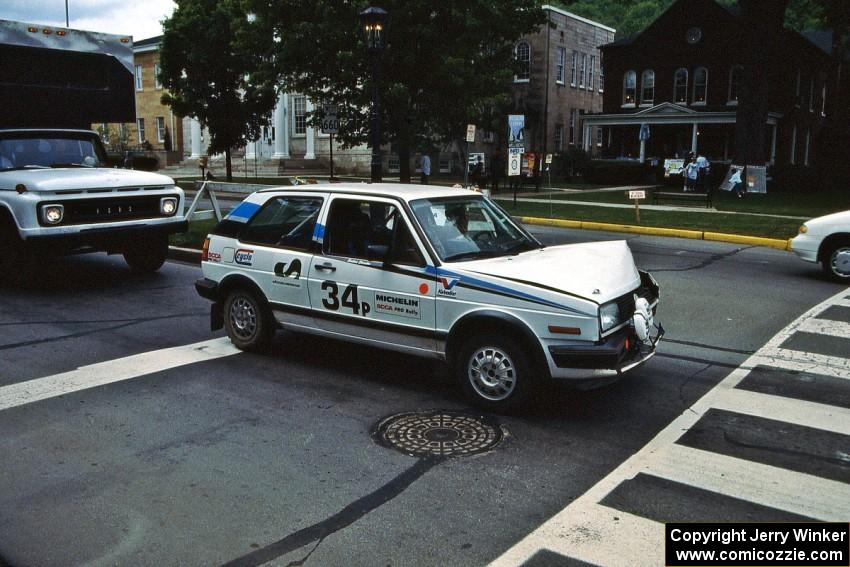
x: 440, y: 433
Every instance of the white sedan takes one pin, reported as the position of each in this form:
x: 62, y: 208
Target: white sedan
x: 826, y: 240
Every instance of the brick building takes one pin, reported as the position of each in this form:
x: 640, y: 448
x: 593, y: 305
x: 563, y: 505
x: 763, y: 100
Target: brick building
x: 681, y: 76
x: 561, y: 79
x: 157, y: 127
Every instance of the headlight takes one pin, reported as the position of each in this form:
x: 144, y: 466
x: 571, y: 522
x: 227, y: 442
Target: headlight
x: 804, y: 229
x: 610, y: 316
x: 52, y: 214
x: 168, y: 206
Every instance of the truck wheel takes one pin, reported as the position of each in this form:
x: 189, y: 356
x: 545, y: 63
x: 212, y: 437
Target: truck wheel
x: 149, y: 255
x: 248, y: 321
x: 836, y: 261
x: 16, y: 263
x: 496, y: 374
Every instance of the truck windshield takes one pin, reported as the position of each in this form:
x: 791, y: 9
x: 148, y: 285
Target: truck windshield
x: 48, y: 151
x: 470, y: 228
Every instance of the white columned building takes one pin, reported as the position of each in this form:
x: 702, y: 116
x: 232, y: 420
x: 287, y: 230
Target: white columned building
x: 311, y: 135
x: 281, y: 126
x: 195, y: 135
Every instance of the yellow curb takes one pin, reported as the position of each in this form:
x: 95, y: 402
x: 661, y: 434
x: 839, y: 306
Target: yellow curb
x: 751, y: 240
x: 560, y: 223
x: 674, y: 232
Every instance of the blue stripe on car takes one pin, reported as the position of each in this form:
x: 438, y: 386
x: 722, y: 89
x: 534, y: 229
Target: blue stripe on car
x: 243, y: 212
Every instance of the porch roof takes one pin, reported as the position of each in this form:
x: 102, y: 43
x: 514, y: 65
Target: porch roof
x: 668, y: 113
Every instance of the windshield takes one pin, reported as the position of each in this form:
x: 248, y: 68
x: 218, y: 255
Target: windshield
x: 470, y: 228
x: 48, y: 151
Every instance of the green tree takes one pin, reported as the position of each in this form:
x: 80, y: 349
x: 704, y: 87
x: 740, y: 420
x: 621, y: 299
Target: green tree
x: 446, y: 64
x: 207, y: 73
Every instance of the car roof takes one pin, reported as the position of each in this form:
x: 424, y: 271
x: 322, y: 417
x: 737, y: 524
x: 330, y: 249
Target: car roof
x: 407, y: 192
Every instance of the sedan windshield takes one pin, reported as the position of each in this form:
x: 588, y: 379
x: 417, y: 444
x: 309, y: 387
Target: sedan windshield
x: 41, y: 152
x: 470, y: 228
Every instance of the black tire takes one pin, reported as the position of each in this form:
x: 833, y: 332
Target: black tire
x: 835, y: 260
x: 16, y: 262
x: 497, y: 373
x: 248, y: 321
x: 149, y: 255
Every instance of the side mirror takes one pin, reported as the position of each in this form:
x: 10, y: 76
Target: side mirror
x: 377, y: 252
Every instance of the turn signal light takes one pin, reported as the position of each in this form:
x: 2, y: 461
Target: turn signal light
x: 804, y: 229
x: 205, y: 251
x: 564, y: 330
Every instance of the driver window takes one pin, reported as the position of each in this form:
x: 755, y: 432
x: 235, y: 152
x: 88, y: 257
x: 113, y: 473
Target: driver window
x: 404, y: 248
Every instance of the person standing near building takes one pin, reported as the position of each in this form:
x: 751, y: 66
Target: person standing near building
x: 703, y: 172
x: 425, y: 165
x: 691, y: 174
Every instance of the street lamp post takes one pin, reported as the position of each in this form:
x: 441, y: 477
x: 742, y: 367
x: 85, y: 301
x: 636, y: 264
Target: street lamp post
x: 373, y: 21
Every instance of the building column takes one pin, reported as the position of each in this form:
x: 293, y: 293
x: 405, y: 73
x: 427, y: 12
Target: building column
x: 195, y: 135
x: 281, y: 127
x: 643, y: 151
x: 773, y: 145
x: 311, y: 135
x: 694, y: 134
x: 251, y: 149
x: 587, y: 133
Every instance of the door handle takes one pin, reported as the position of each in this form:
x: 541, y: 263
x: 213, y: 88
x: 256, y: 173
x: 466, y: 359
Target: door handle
x: 326, y: 267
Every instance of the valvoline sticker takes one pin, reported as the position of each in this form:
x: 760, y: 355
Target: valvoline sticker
x: 244, y: 257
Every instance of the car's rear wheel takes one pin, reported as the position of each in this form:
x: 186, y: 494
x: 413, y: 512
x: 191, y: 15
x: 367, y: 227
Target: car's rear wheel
x: 496, y: 374
x: 248, y: 321
x: 148, y: 255
x: 836, y: 260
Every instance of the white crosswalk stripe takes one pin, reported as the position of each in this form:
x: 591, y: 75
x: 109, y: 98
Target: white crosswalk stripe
x: 589, y: 531
x: 112, y: 371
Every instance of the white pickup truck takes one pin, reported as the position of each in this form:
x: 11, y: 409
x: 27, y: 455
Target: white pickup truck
x: 57, y: 196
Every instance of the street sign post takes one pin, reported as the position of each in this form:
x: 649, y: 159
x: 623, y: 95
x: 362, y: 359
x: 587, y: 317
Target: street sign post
x: 636, y: 196
x: 330, y: 125
x: 470, y: 137
x: 470, y: 133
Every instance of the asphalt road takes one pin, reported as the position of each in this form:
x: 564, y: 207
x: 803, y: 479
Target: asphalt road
x: 246, y: 459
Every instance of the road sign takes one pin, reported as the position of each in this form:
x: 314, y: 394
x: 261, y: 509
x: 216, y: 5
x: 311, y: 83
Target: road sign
x: 637, y: 194
x: 514, y: 161
x: 330, y: 122
x: 548, y: 158
x: 470, y: 132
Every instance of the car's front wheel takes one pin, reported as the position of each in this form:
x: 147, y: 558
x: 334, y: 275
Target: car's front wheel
x: 148, y: 255
x: 248, y: 322
x: 496, y: 373
x: 836, y: 260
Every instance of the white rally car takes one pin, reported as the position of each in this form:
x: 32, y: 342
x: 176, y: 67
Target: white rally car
x: 436, y: 272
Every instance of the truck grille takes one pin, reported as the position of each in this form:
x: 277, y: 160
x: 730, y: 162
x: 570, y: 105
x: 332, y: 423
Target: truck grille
x: 91, y: 211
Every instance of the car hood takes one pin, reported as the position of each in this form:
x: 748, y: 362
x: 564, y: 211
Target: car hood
x: 598, y: 271
x: 79, y: 178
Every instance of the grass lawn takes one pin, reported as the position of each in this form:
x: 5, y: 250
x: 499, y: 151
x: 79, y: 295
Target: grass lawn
x: 194, y: 237
x: 768, y: 227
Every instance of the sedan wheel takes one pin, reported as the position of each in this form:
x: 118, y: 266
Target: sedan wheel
x: 248, y: 321
x: 836, y: 262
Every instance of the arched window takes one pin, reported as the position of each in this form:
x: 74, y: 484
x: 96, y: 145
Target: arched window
x: 629, y: 87
x: 523, y: 56
x: 735, y: 75
x: 680, y: 86
x: 647, y: 87
x: 700, y: 85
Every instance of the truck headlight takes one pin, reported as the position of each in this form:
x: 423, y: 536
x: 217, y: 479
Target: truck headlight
x: 610, y: 316
x: 52, y: 214
x: 168, y: 206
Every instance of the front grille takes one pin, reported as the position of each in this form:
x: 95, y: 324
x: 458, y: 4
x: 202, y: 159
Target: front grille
x: 91, y: 211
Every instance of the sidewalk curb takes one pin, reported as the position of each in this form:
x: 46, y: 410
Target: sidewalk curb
x: 776, y: 243
x: 189, y: 255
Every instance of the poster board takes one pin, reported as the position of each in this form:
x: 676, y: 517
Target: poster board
x: 727, y: 185
x: 529, y: 162
x: 755, y: 179
x: 673, y: 167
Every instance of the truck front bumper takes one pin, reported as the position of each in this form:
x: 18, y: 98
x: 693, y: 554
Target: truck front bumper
x: 110, y: 238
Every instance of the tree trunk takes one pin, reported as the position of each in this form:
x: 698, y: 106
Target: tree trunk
x: 228, y: 165
x: 761, y: 25
x: 404, y: 158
